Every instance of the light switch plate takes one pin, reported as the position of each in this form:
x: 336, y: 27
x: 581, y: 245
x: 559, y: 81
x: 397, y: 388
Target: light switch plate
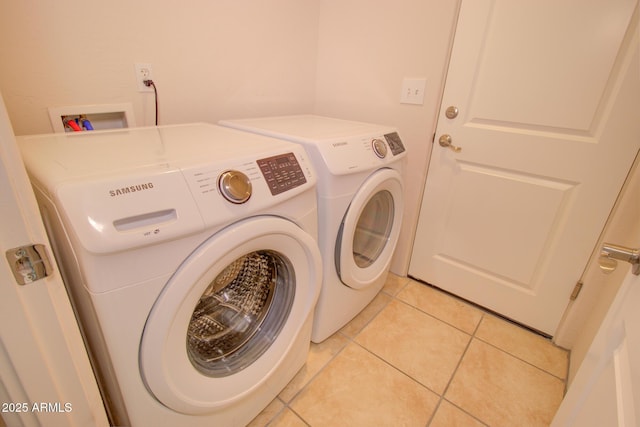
x: 413, y: 91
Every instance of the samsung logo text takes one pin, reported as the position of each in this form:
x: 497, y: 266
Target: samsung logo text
x: 130, y: 189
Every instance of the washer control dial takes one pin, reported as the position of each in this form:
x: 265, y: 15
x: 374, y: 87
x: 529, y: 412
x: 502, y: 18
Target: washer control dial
x: 235, y: 186
x: 379, y: 147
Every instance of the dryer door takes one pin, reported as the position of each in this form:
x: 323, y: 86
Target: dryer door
x: 370, y: 229
x: 229, y: 315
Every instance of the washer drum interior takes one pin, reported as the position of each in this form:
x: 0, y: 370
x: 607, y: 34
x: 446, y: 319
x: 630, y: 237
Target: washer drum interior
x: 241, y: 313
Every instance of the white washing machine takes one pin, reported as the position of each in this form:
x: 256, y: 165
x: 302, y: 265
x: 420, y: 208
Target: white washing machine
x: 191, y: 258
x: 360, y: 206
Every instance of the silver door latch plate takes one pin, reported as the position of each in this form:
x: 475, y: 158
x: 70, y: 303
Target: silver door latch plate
x: 29, y: 263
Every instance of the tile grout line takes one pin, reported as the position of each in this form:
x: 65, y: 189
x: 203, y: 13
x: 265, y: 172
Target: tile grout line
x: 308, y: 383
x: 486, y: 312
x: 564, y: 380
x: 471, y: 336
x: 350, y: 339
x: 453, y: 375
x: 440, y: 395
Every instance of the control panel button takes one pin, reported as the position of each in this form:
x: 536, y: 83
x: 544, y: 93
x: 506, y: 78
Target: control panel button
x: 235, y: 186
x: 379, y: 147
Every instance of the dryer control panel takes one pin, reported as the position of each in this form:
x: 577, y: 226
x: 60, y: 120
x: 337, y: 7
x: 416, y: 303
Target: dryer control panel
x: 355, y: 154
x: 395, y: 143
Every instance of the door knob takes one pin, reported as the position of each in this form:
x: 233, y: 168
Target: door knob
x: 445, y: 141
x: 451, y: 112
x: 611, y: 254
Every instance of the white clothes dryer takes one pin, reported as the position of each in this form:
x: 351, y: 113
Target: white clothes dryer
x: 191, y: 259
x: 360, y: 206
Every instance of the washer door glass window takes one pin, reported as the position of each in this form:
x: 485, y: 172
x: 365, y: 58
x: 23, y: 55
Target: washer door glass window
x: 235, y: 310
x: 253, y: 293
x: 373, y: 229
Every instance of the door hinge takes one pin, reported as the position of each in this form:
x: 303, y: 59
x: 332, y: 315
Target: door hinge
x: 576, y: 291
x: 29, y: 263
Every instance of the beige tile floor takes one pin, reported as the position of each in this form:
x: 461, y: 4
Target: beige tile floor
x: 419, y: 357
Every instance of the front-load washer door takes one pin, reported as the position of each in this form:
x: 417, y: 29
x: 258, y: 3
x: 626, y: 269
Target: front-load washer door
x: 229, y: 315
x: 369, y: 231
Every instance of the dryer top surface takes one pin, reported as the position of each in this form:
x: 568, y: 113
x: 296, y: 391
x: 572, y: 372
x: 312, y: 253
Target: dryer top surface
x: 308, y: 128
x: 341, y: 147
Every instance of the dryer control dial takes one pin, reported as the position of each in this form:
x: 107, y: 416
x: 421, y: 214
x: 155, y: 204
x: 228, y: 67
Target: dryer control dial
x: 235, y: 186
x: 379, y: 147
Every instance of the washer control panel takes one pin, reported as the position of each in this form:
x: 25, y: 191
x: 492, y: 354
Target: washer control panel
x: 250, y: 184
x: 282, y: 172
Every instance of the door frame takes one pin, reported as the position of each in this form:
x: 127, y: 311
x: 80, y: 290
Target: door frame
x: 42, y: 355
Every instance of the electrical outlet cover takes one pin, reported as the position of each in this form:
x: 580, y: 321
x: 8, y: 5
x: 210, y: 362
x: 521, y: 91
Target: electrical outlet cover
x: 143, y: 72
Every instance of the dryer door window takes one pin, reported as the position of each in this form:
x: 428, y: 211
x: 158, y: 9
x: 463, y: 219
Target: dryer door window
x: 253, y: 293
x: 373, y: 229
x: 369, y: 231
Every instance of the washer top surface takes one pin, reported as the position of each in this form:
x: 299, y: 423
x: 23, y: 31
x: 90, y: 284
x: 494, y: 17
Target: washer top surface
x: 83, y: 154
x: 127, y: 188
x: 340, y: 146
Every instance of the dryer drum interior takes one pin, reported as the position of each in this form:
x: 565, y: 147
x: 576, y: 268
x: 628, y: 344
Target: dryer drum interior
x: 241, y: 313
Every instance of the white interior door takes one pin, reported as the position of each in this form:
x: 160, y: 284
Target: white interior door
x: 548, y: 96
x: 606, y: 389
x: 45, y: 375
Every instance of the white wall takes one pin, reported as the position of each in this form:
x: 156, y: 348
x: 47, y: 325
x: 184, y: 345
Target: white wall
x: 237, y: 58
x: 365, y: 49
x: 233, y: 58
x: 210, y: 59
